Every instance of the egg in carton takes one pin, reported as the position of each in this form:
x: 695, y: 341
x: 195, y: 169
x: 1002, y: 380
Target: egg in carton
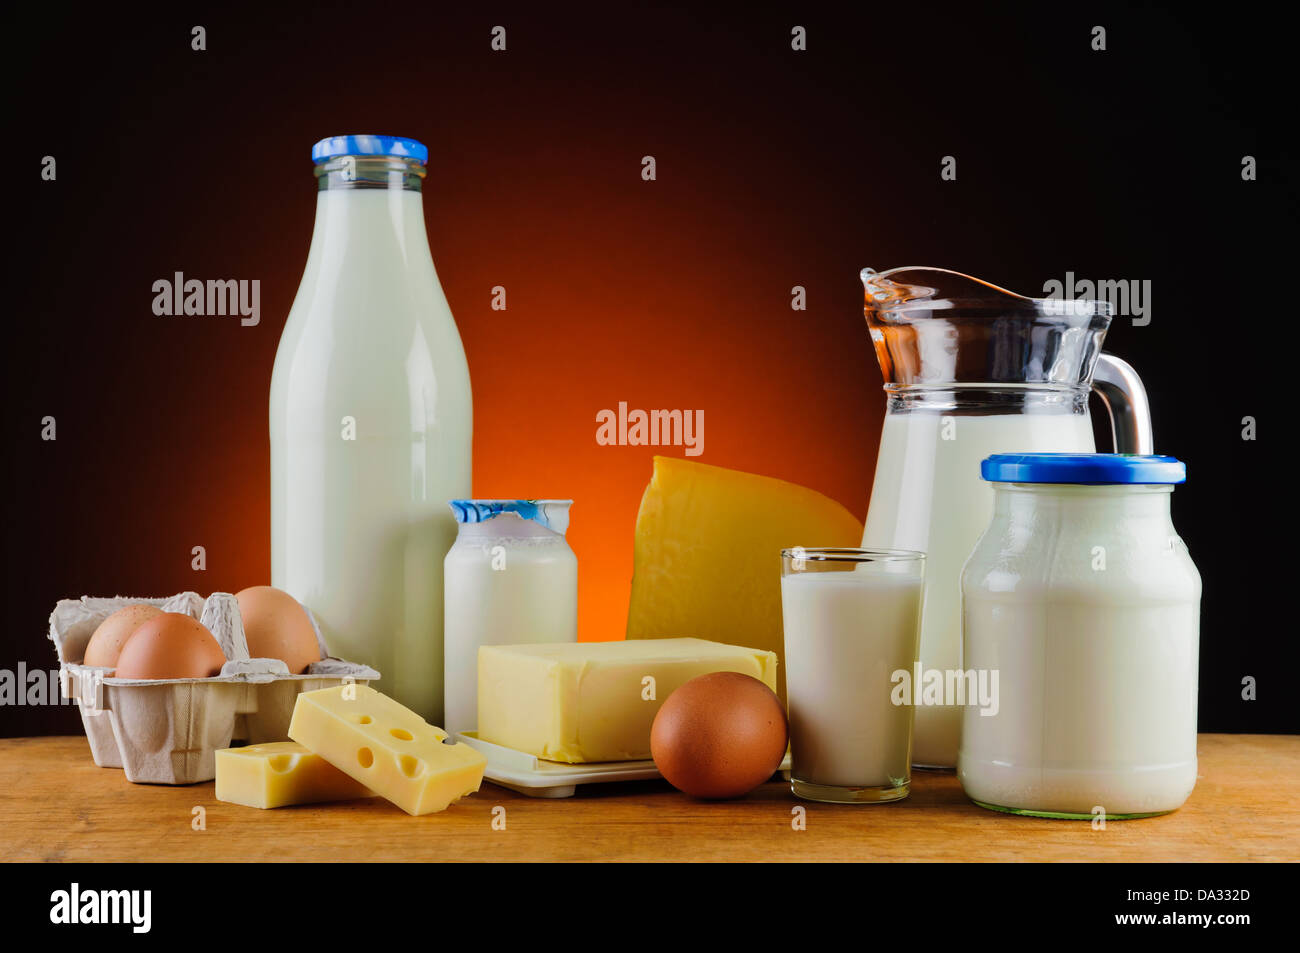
x: 167, y: 730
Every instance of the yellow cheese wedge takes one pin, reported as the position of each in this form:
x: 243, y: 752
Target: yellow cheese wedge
x: 707, y: 558
x: 386, y: 746
x: 594, y: 701
x: 279, y: 774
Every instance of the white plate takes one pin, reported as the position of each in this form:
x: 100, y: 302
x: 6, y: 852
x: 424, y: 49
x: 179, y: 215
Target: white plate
x: 536, y: 777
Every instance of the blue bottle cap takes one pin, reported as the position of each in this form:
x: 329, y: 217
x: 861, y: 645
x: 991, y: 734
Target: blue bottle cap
x: 335, y: 146
x: 1085, y: 468
x: 553, y: 514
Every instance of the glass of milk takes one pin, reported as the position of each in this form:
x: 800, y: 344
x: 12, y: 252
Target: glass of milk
x: 852, y: 625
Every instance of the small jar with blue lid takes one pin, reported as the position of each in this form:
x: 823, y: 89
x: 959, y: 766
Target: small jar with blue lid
x: 509, y: 578
x: 1081, y: 609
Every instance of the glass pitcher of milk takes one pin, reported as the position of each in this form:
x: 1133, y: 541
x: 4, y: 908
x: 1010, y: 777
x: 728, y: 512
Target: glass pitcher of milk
x: 371, y: 422
x: 971, y: 370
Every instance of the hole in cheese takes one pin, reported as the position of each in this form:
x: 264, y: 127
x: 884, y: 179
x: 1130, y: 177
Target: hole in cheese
x: 363, y: 719
x: 401, y: 734
x: 365, y: 757
x: 410, y: 765
x: 280, y: 763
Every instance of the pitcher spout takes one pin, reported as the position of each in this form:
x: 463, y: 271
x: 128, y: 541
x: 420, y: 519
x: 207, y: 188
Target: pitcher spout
x: 936, y: 326
x: 919, y: 285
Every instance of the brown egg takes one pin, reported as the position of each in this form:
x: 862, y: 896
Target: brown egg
x: 719, y: 735
x: 170, y: 645
x: 277, y: 626
x: 106, y: 643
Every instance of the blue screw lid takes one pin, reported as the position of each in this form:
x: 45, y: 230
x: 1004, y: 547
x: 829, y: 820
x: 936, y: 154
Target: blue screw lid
x: 1086, y: 468
x: 334, y: 146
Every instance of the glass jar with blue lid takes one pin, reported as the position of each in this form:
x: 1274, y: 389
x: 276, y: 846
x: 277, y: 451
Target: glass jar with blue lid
x: 1081, y: 606
x: 509, y: 578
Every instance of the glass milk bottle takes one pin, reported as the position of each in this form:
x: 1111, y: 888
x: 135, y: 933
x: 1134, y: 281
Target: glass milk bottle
x: 370, y: 422
x: 510, y: 578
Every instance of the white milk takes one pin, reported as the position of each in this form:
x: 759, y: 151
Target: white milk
x: 508, y: 581
x: 928, y: 496
x: 1097, y: 660
x: 359, y: 527
x: 846, y: 633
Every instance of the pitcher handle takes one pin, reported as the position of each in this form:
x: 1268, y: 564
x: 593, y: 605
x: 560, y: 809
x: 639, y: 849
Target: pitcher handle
x: 1121, y: 390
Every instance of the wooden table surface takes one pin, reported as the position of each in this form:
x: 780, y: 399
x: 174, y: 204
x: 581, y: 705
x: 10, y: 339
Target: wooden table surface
x: 55, y: 805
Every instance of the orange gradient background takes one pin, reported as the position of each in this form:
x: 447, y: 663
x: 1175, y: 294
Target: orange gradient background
x: 774, y: 169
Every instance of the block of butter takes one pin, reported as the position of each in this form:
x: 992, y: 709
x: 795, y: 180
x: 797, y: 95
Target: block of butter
x: 594, y: 701
x: 281, y: 773
x: 386, y: 746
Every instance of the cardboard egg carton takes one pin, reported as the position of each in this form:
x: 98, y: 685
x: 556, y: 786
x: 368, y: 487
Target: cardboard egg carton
x: 167, y: 730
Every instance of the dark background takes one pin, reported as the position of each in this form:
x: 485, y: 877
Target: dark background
x: 775, y: 168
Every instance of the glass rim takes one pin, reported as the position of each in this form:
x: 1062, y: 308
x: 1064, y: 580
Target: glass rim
x: 852, y: 555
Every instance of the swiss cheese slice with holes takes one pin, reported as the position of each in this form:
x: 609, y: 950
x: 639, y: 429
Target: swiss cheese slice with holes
x: 387, y: 747
x: 281, y: 773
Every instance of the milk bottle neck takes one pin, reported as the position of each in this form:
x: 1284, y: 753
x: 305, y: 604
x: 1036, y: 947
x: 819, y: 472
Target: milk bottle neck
x: 367, y: 172
x: 369, y: 209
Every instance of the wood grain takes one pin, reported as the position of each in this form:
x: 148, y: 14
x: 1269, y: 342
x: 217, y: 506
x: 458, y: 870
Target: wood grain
x: 55, y: 805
